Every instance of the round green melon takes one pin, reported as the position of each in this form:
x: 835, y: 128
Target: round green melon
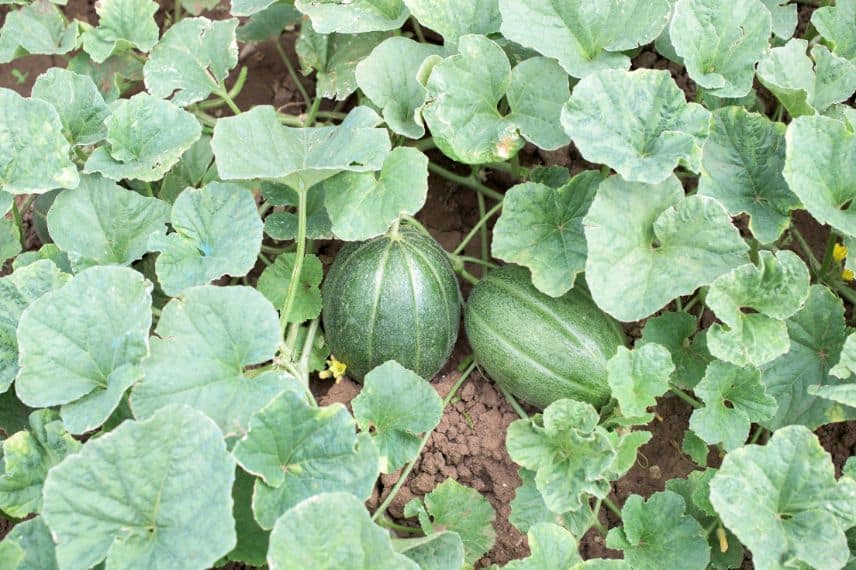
x: 394, y: 297
x: 537, y: 347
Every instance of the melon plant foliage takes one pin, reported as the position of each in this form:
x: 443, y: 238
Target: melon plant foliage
x: 156, y: 352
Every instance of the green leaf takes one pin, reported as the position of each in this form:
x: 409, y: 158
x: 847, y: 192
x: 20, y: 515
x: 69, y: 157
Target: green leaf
x: 14, y: 416
x: 354, y: 16
x: 636, y: 122
x: 269, y: 23
x: 114, y: 76
x: 540, y: 443
x: 437, y: 551
x: 78, y: 102
x: 125, y: 497
x: 388, y: 77
x: 670, y: 243
x: 334, y: 57
x: 17, y: 291
x: 455, y: 18
x: 820, y: 167
x: 538, y: 90
x: 362, y: 205
x: 837, y: 25
x: 463, y: 92
x: 299, y: 450
x: 846, y: 366
x: 784, y: 17
x: 551, y: 546
x: 101, y: 223
x: 734, y: 397
x: 28, y: 163
x: 658, y: 534
x: 283, y: 225
x: 585, y: 36
x: 82, y: 354
x: 695, y: 448
x: 203, y: 365
x: 783, y: 502
x: 253, y: 541
x: 122, y: 25
x: 217, y: 232
x: 195, y: 168
x: 804, y: 86
x: 10, y: 236
x: 674, y: 331
x: 275, y: 279
x: 250, y: 7
x: 11, y: 555
x: 816, y: 337
x: 720, y: 42
x: 752, y: 303
x: 396, y: 406
x: 455, y: 507
x: 39, y: 28
x: 28, y: 455
x: 34, y: 537
x: 331, y: 531
x: 254, y: 145
x: 638, y: 377
x: 542, y: 228
x: 741, y: 167
x: 192, y: 60
x: 146, y: 137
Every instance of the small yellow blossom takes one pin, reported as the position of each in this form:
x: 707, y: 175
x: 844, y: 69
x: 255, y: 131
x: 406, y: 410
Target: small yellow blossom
x: 335, y: 369
x: 839, y: 252
x: 848, y: 275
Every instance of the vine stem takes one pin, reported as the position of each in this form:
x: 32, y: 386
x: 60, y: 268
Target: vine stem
x: 409, y: 467
x: 512, y: 401
x: 473, y: 232
x: 612, y: 506
x: 827, y: 254
x: 223, y: 93
x: 19, y: 221
x: 813, y: 263
x: 485, y: 244
x: 467, y: 181
x: 313, y: 112
x: 685, y: 397
x: 292, y: 72
x: 298, y: 261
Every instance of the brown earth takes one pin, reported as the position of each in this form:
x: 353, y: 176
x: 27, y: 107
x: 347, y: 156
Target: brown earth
x: 469, y: 443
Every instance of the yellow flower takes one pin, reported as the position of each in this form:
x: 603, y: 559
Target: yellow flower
x: 335, y: 369
x: 839, y: 252
x: 848, y: 275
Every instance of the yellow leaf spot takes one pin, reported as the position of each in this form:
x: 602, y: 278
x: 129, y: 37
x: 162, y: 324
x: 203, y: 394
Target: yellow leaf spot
x: 839, y: 252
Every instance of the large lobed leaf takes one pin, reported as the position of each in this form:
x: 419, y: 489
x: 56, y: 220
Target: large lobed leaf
x: 78, y: 102
x: 638, y: 377
x: 122, y: 25
x: 354, y: 16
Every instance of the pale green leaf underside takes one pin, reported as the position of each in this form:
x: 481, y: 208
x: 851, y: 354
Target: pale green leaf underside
x: 542, y: 228
x: 255, y: 145
x: 637, y: 122
x: 78, y: 102
x: 355, y: 16
x: 34, y: 537
x: 217, y: 232
x: 846, y: 366
x: 150, y: 494
x: 538, y: 90
x: 820, y: 167
x: 455, y: 18
x: 299, y: 450
x: 585, y: 36
x: 564, y: 479
x: 734, y: 397
x: 123, y: 24
x: 783, y: 502
x: 804, y: 86
x: 638, y: 377
x: 17, y: 291
x: 81, y: 345
x: 362, y: 205
x: 101, y: 223
x: 837, y: 24
x: 275, y: 279
x: 658, y: 534
x: 396, y: 406
x: 720, y: 41
x: 39, y: 29
x: 388, y: 77
x: 817, y: 335
x: 28, y: 455
x: 436, y: 551
x: 192, y: 59
x: 741, y: 166
x: 204, y: 340
x: 784, y: 17
x: 146, y: 137
x: 33, y: 151
x: 670, y: 243
x: 330, y: 531
x: 774, y: 290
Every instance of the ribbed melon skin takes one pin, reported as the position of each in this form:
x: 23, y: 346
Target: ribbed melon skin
x: 538, y: 347
x: 392, y: 298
